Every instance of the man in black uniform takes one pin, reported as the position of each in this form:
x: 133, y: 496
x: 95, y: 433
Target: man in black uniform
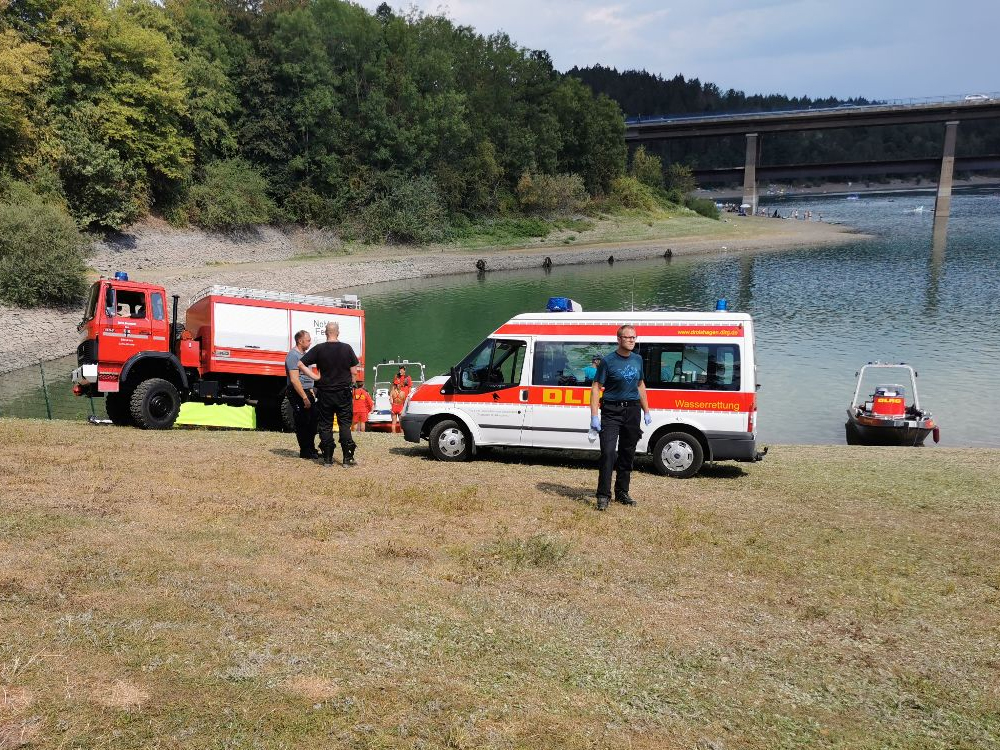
x: 334, y: 359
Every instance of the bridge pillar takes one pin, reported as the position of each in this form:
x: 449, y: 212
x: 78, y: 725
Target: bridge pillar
x: 750, y: 173
x: 942, y: 206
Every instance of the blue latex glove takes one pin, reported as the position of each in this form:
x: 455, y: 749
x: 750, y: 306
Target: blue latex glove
x: 647, y: 418
x: 595, y: 423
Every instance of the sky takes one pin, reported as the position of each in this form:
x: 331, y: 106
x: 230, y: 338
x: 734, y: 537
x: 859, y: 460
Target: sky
x: 877, y: 49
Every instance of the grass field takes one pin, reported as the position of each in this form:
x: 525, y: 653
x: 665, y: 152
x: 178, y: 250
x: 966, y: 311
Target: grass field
x: 212, y: 590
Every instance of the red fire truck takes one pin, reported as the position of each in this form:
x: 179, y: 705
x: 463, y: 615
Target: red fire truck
x: 231, y: 348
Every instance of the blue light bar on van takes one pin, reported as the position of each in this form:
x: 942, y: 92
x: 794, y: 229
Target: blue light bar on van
x: 121, y: 276
x: 563, y: 304
x: 722, y: 305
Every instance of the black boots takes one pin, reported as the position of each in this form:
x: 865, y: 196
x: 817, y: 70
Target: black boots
x: 327, y: 455
x: 349, y: 458
x: 624, y: 498
x: 620, y: 497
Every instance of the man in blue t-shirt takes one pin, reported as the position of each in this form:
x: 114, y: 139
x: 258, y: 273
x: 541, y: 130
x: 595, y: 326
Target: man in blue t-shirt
x: 301, y: 397
x: 618, y: 424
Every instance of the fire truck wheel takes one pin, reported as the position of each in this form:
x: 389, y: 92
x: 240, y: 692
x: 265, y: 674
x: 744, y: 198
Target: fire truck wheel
x: 287, y: 415
x: 155, y: 404
x: 118, y: 409
x: 678, y: 455
x: 449, y: 442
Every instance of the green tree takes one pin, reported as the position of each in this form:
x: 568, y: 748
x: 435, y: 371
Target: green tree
x: 646, y: 168
x: 680, y: 179
x: 232, y: 194
x: 41, y: 251
x: 23, y: 71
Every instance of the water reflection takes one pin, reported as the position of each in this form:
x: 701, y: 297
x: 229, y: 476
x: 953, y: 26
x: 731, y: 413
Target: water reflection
x: 939, y: 242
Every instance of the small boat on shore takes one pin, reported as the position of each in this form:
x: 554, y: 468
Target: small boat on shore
x: 381, y: 416
x: 884, y: 417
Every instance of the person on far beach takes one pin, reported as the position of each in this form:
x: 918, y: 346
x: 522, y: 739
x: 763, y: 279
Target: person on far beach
x: 618, y: 423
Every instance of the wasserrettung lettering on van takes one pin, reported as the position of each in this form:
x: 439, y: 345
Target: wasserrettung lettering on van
x: 528, y: 384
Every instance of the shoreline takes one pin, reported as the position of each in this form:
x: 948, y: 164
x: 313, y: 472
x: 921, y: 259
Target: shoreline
x: 296, y: 261
x: 841, y: 189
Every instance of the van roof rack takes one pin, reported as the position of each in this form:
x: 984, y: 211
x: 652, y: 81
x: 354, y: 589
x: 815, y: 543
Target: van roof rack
x: 349, y: 301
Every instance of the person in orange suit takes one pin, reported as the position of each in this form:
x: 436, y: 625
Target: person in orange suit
x: 363, y: 404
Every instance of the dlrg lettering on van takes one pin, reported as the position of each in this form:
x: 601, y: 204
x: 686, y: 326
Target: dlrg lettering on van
x: 529, y: 384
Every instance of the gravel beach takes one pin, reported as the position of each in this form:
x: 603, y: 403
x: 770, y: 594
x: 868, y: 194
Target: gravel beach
x: 310, y: 262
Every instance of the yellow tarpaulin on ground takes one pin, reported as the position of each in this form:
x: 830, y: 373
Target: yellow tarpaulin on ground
x: 194, y: 414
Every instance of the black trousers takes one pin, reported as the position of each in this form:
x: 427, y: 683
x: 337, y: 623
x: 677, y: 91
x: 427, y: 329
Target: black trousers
x: 305, y: 422
x: 339, y: 403
x: 620, y: 432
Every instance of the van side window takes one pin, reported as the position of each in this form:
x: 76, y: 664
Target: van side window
x: 493, y: 365
x: 705, y: 367
x: 157, y: 304
x: 567, y: 362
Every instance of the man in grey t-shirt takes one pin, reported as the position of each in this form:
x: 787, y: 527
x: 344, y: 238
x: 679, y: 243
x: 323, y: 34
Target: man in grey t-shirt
x: 302, y: 397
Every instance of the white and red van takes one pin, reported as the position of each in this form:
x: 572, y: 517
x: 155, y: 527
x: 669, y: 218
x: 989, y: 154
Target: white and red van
x: 529, y: 383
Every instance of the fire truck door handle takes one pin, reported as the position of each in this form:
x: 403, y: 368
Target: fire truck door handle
x: 524, y: 395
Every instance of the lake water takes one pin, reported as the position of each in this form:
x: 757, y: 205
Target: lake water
x: 820, y: 313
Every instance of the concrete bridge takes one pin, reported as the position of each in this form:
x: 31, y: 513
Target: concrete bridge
x: 950, y: 112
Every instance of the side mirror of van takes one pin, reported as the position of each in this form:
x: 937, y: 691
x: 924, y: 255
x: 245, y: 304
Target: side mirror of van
x: 454, y: 382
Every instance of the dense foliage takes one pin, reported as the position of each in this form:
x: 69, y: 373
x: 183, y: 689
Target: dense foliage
x: 640, y: 93
x: 331, y: 112
x: 41, y: 250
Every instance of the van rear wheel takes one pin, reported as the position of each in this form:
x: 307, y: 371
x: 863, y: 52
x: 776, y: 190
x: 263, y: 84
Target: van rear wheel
x: 678, y: 455
x: 449, y: 441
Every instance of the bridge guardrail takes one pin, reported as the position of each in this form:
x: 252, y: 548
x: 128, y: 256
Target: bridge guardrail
x: 970, y: 100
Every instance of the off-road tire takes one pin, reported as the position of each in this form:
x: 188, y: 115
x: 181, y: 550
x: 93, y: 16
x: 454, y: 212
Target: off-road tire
x: 155, y: 404
x: 450, y: 442
x: 270, y: 414
x: 119, y: 408
x: 288, y: 415
x: 678, y: 455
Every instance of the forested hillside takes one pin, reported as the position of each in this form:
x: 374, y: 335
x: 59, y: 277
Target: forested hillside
x: 313, y: 111
x: 643, y: 93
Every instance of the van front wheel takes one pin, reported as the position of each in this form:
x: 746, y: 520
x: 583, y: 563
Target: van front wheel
x: 678, y: 455
x: 449, y: 442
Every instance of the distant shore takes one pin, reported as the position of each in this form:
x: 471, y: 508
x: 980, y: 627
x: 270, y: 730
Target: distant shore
x: 304, y: 262
x: 766, y: 193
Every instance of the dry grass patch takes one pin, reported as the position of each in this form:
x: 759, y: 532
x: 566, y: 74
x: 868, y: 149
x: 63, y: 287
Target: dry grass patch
x: 222, y: 594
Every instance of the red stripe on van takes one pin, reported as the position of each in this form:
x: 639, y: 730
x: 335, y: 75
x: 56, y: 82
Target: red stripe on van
x: 568, y: 396
x: 590, y: 329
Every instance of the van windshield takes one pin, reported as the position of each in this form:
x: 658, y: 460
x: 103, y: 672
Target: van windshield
x: 494, y: 364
